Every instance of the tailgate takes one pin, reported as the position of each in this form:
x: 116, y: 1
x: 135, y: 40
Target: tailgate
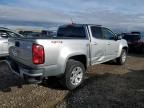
x: 21, y: 50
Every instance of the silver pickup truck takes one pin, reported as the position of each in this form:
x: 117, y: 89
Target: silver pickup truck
x: 67, y: 54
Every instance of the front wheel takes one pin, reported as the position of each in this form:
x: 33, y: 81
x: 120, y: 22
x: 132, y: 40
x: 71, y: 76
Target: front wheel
x: 74, y: 74
x: 122, y: 59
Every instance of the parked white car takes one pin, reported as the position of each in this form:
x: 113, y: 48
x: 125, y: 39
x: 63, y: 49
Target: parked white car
x: 5, y: 34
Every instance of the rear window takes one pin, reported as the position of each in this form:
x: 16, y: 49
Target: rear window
x: 71, y: 32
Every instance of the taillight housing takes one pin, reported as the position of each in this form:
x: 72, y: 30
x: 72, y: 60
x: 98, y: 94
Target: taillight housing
x: 38, y: 55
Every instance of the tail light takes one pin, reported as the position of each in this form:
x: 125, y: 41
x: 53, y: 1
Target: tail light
x: 38, y: 54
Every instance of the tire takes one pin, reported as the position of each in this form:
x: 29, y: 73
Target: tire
x: 122, y: 59
x: 74, y: 74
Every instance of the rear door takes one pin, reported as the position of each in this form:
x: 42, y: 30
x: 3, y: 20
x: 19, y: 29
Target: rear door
x: 112, y: 45
x: 98, y: 45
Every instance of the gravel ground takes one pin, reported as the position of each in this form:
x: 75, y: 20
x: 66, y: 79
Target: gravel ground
x: 106, y: 86
x: 111, y: 86
x: 14, y: 93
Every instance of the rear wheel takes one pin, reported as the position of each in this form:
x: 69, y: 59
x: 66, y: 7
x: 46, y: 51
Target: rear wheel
x: 122, y: 59
x: 74, y: 74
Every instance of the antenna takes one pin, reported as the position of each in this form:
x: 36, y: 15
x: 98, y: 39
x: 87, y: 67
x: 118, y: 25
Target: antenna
x: 72, y: 21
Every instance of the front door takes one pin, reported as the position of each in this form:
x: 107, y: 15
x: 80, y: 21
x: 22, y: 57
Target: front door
x: 112, y: 45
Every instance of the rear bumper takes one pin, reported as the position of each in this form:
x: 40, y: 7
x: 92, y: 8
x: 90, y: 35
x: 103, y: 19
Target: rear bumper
x: 16, y: 68
x: 35, y: 72
x: 30, y: 75
x: 22, y: 70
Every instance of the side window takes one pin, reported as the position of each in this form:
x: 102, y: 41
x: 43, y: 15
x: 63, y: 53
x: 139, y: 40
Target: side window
x: 96, y: 32
x: 108, y: 34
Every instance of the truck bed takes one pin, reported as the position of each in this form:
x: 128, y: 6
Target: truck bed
x: 21, y: 49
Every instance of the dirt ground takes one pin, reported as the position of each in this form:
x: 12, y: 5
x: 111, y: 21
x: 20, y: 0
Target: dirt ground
x: 106, y: 86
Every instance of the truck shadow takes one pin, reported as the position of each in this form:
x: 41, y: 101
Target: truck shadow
x: 3, y: 58
x: 53, y: 83
x: 109, y: 91
x: 7, y: 79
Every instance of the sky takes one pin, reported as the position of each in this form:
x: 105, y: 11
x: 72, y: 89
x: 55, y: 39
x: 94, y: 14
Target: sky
x: 123, y: 14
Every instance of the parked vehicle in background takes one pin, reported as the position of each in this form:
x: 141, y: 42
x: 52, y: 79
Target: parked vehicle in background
x: 67, y: 54
x: 43, y: 33
x: 47, y: 33
x: 5, y: 34
x: 135, y: 41
x: 30, y: 33
x: 136, y: 32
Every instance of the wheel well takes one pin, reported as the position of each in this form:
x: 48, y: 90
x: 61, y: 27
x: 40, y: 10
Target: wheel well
x: 80, y: 58
x: 126, y: 48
